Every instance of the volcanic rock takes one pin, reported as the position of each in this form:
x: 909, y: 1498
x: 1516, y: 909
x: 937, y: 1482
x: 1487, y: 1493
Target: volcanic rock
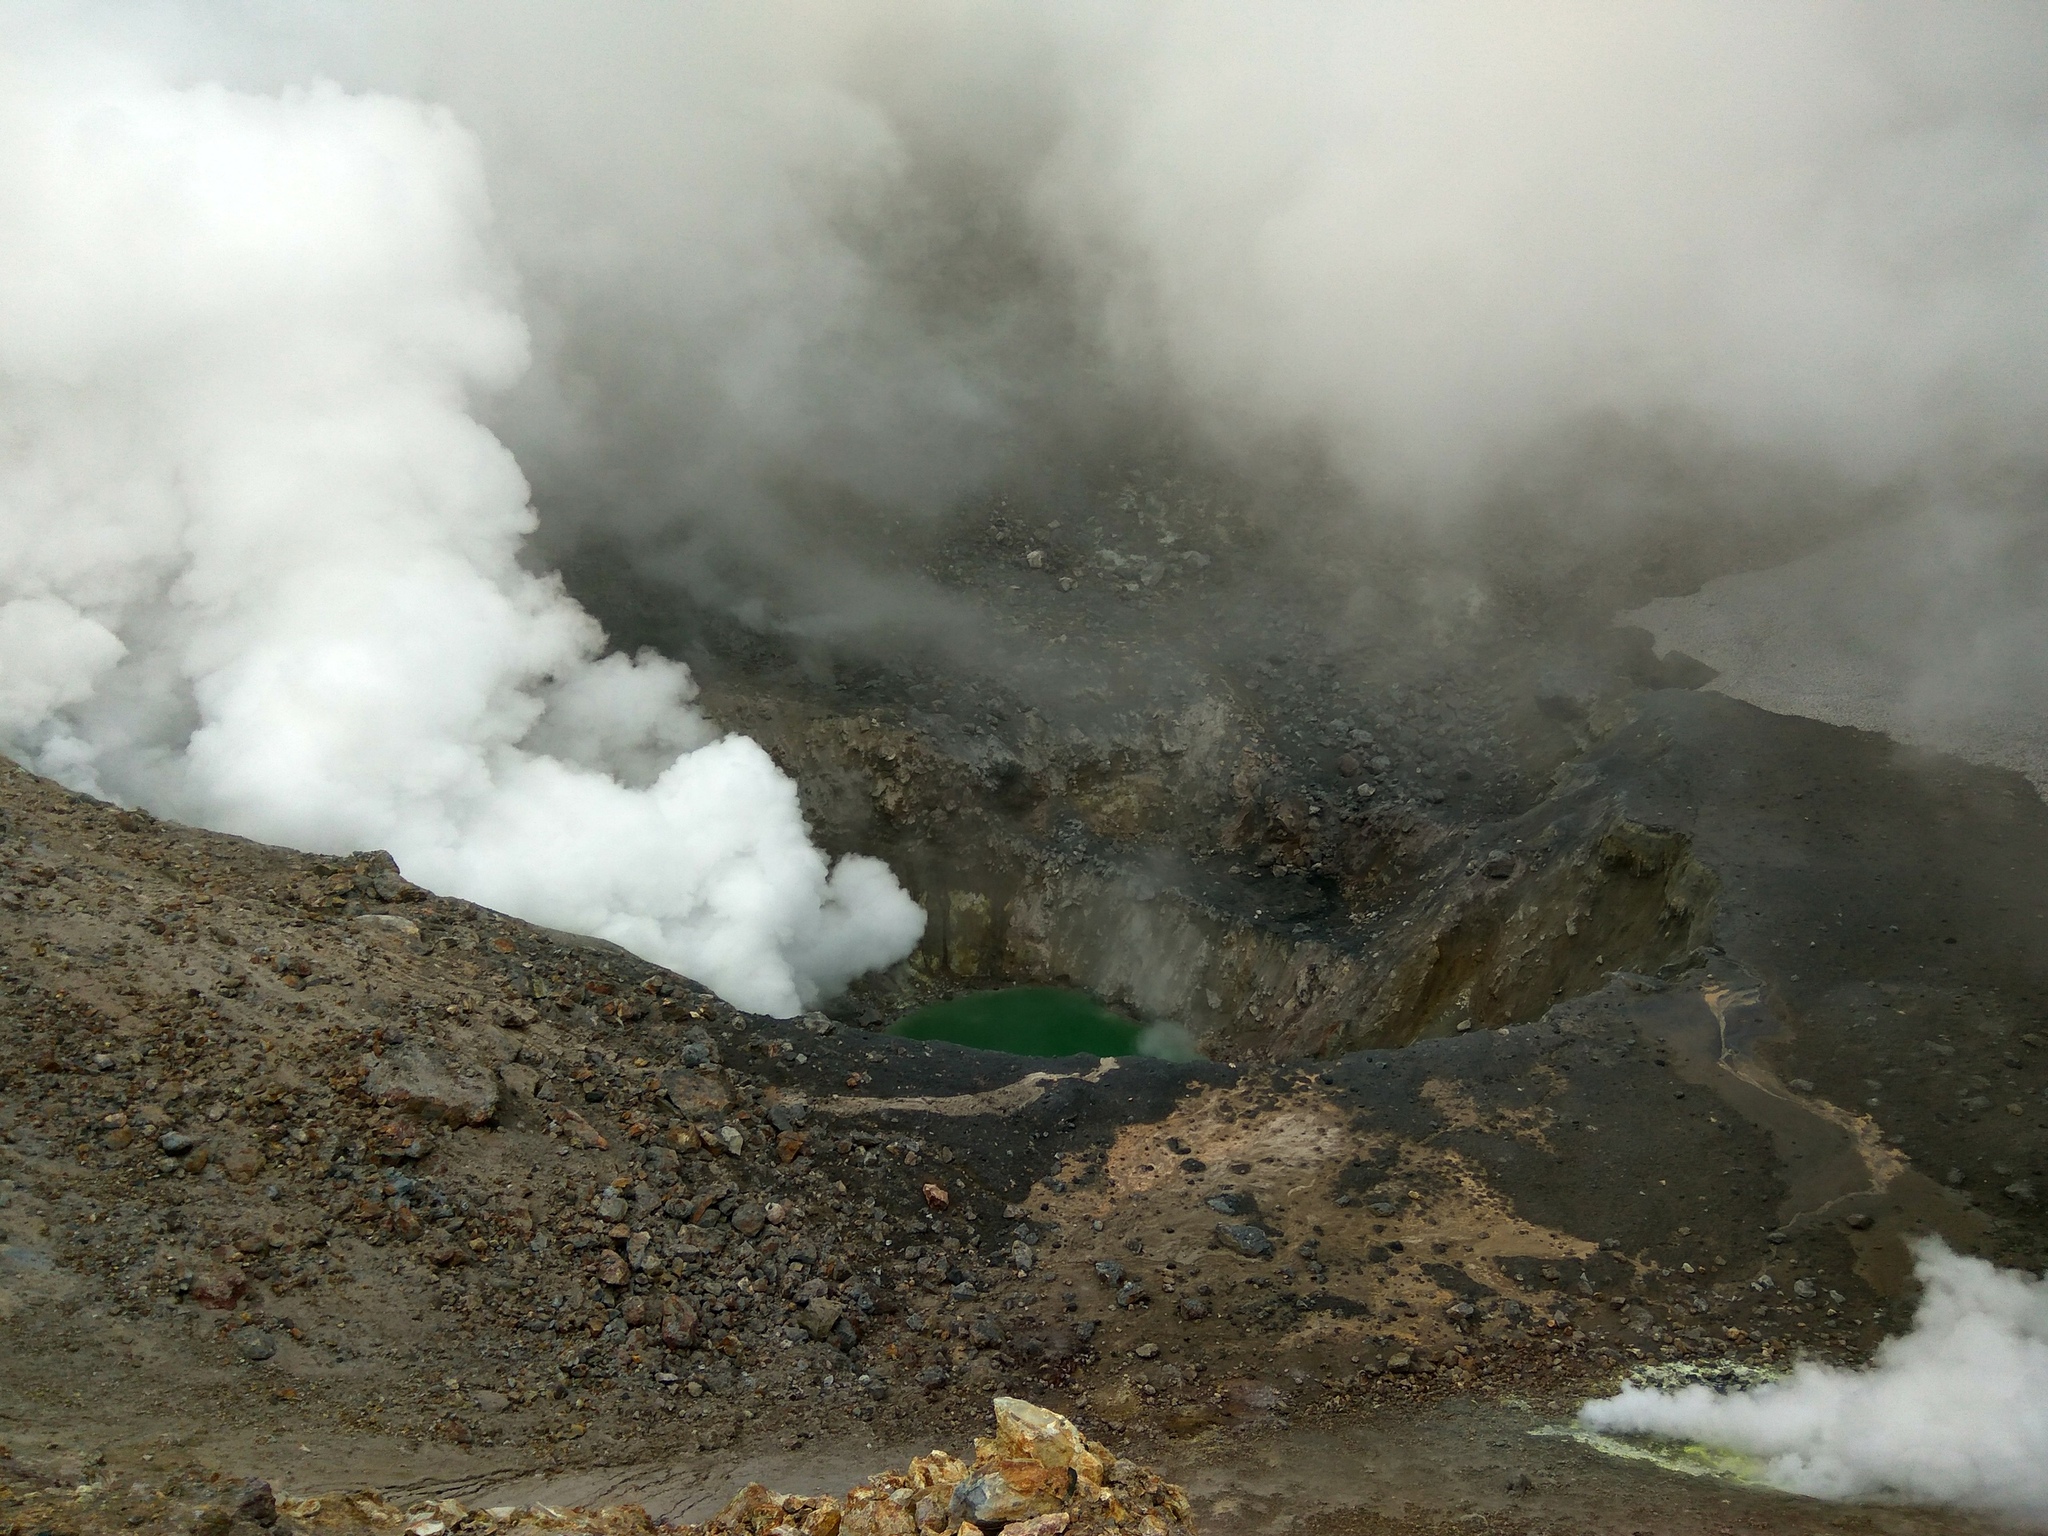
x: 820, y: 1317
x: 219, y: 1289
x: 421, y: 1081
x: 253, y: 1344
x: 679, y: 1325
x: 1243, y: 1239
x: 1036, y: 1477
x: 256, y: 1503
x: 700, y: 1096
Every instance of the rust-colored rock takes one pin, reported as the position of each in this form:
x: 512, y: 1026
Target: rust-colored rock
x: 755, y: 1511
x: 220, y: 1288
x: 578, y: 1131
x: 242, y: 1165
x: 700, y: 1096
x: 680, y: 1325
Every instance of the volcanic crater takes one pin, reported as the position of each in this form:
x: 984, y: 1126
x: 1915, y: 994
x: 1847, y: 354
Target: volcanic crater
x: 1556, y: 1014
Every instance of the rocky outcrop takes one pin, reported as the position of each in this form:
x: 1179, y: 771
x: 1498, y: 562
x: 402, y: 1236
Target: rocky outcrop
x: 1036, y: 1476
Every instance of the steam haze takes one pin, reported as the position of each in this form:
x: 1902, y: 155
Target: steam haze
x: 332, y: 334
x: 734, y: 289
x: 793, y: 271
x: 1559, y: 281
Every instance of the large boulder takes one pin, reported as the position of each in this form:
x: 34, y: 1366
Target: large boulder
x: 1036, y: 1465
x: 423, y: 1081
x: 700, y: 1095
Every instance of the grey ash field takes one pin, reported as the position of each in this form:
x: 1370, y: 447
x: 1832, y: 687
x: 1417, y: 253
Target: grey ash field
x: 310, y: 1174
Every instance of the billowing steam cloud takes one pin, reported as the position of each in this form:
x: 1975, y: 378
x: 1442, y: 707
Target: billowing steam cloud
x: 795, y: 274
x: 1954, y: 1412
x: 259, y: 565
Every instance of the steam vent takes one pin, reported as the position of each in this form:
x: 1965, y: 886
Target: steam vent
x: 887, y: 769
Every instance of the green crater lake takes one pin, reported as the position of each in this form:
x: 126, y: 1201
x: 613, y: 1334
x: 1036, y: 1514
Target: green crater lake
x: 1040, y: 1021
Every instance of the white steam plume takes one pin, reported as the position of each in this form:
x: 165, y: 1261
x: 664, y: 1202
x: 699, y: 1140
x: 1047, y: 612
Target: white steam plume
x: 1953, y: 1412
x: 259, y: 564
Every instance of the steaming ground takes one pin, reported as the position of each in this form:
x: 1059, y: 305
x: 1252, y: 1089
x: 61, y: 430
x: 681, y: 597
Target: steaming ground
x: 259, y: 567
x: 1953, y: 1412
x: 308, y: 1174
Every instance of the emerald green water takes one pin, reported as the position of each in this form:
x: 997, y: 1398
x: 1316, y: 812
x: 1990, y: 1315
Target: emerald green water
x: 1040, y: 1021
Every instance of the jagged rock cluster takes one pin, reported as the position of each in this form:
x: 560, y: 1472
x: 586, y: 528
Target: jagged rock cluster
x: 1036, y: 1476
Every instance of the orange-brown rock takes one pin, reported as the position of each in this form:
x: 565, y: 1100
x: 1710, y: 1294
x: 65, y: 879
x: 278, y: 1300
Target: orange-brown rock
x: 1037, y: 1476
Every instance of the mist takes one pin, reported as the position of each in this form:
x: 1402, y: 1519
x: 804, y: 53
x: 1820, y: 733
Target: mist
x: 799, y: 276
x: 1950, y: 1412
x: 332, y: 331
